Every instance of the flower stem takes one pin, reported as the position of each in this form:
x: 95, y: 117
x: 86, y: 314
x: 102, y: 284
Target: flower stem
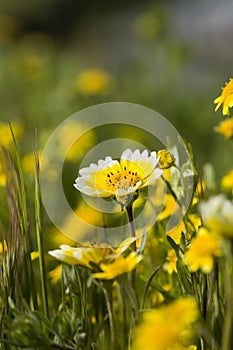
x: 129, y: 211
x: 111, y: 318
x: 39, y: 238
x: 227, y: 326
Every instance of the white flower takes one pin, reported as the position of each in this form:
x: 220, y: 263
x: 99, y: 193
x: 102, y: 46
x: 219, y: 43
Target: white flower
x: 217, y: 214
x: 119, y: 178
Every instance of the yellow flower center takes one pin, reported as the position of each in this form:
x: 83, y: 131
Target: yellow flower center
x: 121, y: 180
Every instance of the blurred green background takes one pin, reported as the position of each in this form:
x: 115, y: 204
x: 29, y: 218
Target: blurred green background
x: 57, y: 57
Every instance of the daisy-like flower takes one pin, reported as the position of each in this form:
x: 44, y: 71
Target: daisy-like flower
x: 204, y: 247
x: 217, y: 215
x: 122, y: 178
x: 226, y: 98
x: 90, y: 256
x: 225, y: 128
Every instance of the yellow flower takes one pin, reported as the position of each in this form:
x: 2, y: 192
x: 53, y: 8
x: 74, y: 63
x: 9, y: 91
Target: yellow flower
x: 170, y: 264
x: 5, y: 133
x: 166, y: 159
x: 93, y: 81
x: 55, y: 274
x: 217, y: 215
x: 227, y: 181
x: 119, y: 178
x: 117, y: 267
x: 3, y: 247
x: 2, y: 176
x: 179, y: 346
x: 90, y: 256
x: 34, y: 255
x: 79, y: 146
x: 225, y: 128
x: 204, y: 247
x: 226, y: 98
x: 175, y: 233
x: 163, y: 328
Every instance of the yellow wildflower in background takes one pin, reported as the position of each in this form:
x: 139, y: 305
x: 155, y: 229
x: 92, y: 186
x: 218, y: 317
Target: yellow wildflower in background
x: 117, y: 267
x: 5, y: 133
x: 93, y: 81
x: 217, y: 215
x: 225, y: 128
x: 204, y: 247
x: 170, y: 264
x: 2, y: 176
x: 122, y: 178
x: 227, y: 181
x: 79, y: 144
x: 166, y: 159
x: 179, y: 346
x: 226, y: 98
x: 34, y: 255
x: 55, y: 274
x: 163, y: 328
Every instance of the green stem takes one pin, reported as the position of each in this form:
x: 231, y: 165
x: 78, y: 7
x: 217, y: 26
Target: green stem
x: 227, y: 326
x: 111, y: 319
x: 39, y: 238
x: 132, y: 231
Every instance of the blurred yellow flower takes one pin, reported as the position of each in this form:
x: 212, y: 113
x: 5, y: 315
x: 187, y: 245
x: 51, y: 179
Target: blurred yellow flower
x: 225, y: 128
x: 2, y: 176
x: 204, y: 247
x: 217, y: 215
x: 3, y: 247
x: 163, y: 328
x: 77, y: 145
x: 28, y: 162
x: 5, y: 133
x: 117, y: 267
x: 226, y: 98
x: 227, y: 181
x: 170, y: 207
x: 166, y: 159
x: 179, y: 346
x: 175, y: 233
x: 34, y: 255
x: 55, y: 274
x: 93, y: 81
x: 170, y: 264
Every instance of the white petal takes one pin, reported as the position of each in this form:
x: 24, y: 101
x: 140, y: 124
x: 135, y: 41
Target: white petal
x: 156, y: 174
x: 127, y: 154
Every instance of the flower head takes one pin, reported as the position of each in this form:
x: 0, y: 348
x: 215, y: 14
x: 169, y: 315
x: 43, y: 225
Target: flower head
x: 204, y: 247
x: 93, y: 81
x: 103, y: 259
x: 170, y: 264
x: 226, y: 98
x: 118, y: 266
x: 119, y: 178
x: 166, y: 159
x: 163, y: 328
x: 227, y: 181
x: 225, y: 128
x: 217, y: 215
